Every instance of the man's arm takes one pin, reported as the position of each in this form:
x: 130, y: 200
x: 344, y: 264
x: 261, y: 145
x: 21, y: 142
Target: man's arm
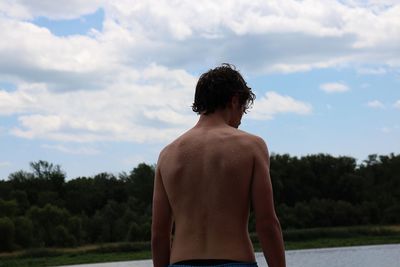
x: 161, y: 224
x: 267, y: 224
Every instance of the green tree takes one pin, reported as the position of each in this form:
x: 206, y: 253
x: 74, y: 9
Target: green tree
x: 45, y: 220
x: 392, y: 214
x: 74, y: 227
x: 344, y: 214
x: 304, y: 215
x: 93, y: 228
x: 134, y: 233
x: 83, y: 196
x: 49, y: 197
x: 21, y: 198
x: 7, y: 231
x: 62, y: 237
x: 46, y: 171
x: 110, y: 216
x: 23, y: 231
x: 141, y: 181
x: 8, y: 208
x: 5, y: 189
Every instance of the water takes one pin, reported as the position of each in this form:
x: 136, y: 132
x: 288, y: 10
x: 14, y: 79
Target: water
x: 362, y: 256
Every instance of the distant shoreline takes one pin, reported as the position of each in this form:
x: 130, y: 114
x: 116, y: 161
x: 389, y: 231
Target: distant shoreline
x: 112, y: 252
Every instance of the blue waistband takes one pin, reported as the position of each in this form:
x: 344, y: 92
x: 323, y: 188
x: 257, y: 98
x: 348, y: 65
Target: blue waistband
x: 233, y: 264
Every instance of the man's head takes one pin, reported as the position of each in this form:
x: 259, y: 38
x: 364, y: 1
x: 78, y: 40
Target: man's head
x: 216, y: 88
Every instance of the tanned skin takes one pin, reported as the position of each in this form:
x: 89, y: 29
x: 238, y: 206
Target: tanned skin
x: 205, y: 182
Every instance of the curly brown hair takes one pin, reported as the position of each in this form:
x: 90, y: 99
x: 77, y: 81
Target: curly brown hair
x: 216, y: 88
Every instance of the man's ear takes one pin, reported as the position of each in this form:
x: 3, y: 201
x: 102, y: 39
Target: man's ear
x: 234, y: 103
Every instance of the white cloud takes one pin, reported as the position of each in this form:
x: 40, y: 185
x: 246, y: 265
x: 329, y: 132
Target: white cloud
x: 151, y: 106
x: 292, y: 35
x: 70, y: 150
x: 273, y: 103
x: 334, y: 87
x: 281, y: 36
x: 4, y: 164
x: 131, y: 81
x: 33, y: 54
x: 397, y: 104
x: 375, y: 104
x: 10, y: 103
x: 372, y: 71
x: 26, y: 9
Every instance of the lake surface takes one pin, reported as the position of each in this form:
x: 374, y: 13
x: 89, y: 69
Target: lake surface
x: 362, y: 256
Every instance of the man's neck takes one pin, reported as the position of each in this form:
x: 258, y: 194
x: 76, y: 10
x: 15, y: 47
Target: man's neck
x: 215, y: 119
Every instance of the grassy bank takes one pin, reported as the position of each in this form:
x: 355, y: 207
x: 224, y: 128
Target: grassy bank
x: 72, y: 258
x: 341, y: 237
x: 337, y: 237
x: 294, y: 239
x: 85, y: 254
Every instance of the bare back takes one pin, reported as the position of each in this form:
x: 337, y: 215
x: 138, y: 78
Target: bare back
x: 207, y: 176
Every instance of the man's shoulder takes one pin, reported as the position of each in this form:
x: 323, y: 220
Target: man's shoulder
x: 166, y: 150
x: 252, y: 138
x: 171, y: 146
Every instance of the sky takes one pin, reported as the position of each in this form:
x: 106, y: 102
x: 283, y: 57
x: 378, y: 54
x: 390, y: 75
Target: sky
x: 101, y: 86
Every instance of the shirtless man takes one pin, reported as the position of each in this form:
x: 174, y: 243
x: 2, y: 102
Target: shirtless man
x: 206, y: 181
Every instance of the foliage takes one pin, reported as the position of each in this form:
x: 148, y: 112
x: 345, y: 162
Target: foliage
x: 41, y: 208
x: 7, y: 230
x: 23, y: 231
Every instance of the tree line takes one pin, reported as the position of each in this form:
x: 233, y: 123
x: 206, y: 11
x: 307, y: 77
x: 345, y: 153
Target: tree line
x: 39, y: 208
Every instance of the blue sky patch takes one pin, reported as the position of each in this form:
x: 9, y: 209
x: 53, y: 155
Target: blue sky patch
x: 7, y: 86
x: 79, y: 26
